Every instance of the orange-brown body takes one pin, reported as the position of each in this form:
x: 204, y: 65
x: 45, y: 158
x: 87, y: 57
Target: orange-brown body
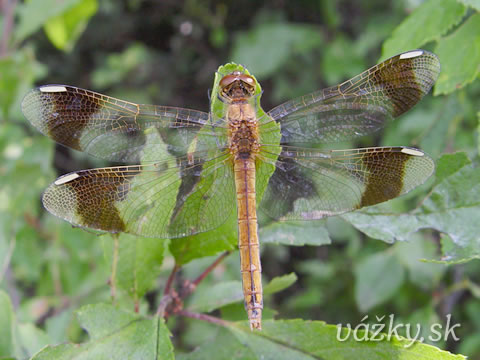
x: 244, y: 147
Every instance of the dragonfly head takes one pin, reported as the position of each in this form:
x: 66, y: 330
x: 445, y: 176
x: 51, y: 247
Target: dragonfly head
x: 237, y: 86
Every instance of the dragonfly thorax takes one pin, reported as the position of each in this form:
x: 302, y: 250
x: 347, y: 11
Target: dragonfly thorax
x: 243, y: 134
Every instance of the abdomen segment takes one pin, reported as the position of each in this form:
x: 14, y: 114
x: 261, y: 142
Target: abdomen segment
x: 248, y: 240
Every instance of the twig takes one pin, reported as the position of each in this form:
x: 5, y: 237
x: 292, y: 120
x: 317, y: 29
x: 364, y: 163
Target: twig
x: 167, y: 293
x: 204, y: 317
x: 171, y: 296
x: 166, y: 300
x: 189, y: 287
x: 168, y: 286
x: 210, y: 268
x: 8, y: 10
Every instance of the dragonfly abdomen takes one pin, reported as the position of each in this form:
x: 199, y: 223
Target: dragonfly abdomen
x: 248, y: 240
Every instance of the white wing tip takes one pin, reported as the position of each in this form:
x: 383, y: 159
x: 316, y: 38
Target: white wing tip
x: 65, y: 179
x: 52, y: 88
x: 411, y: 54
x: 412, y: 152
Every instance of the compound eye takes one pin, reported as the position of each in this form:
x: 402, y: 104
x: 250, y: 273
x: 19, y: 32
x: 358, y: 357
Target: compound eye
x: 247, y: 79
x: 227, y: 80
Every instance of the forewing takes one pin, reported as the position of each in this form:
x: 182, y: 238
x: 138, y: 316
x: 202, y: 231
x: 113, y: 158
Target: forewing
x: 360, y: 105
x: 312, y: 184
x: 113, y: 129
x: 174, y: 198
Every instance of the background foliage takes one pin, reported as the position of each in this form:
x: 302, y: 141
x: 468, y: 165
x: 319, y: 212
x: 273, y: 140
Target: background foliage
x: 54, y: 279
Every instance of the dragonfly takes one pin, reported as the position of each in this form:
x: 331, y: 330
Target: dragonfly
x: 195, y: 169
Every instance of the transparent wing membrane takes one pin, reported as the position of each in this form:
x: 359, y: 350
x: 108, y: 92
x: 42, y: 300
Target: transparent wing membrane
x: 170, y: 199
x: 312, y: 184
x: 113, y: 129
x: 361, y: 105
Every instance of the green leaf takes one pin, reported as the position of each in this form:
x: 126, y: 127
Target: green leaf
x: 24, y: 175
x: 459, y: 54
x: 19, y: 71
x: 478, y: 132
x: 475, y: 4
x: 78, y: 257
x: 377, y: 278
x: 425, y: 319
x: 470, y: 346
x: 118, y: 65
x: 295, y: 233
x: 427, y: 23
x: 32, y: 338
x: 57, y: 326
x: 278, y: 40
x: 223, y: 238
x: 139, y: 262
x: 298, y: 339
x: 17, y: 341
x: 450, y: 164
x: 230, y: 348
x: 336, y: 66
x: 35, y: 13
x: 411, y: 253
x: 386, y: 227
x: 209, y: 298
x: 453, y: 208
x: 65, y: 29
x: 436, y: 136
x: 7, y: 326
x: 206, y: 299
x: 453, y: 254
x: 236, y: 312
x: 115, y: 334
x: 280, y: 283
x: 25, y: 260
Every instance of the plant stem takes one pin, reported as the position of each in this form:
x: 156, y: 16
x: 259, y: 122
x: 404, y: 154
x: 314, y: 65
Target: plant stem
x: 210, y: 268
x: 8, y: 9
x: 167, y: 296
x: 166, y: 300
x: 168, y: 286
x: 190, y: 286
x: 204, y: 317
